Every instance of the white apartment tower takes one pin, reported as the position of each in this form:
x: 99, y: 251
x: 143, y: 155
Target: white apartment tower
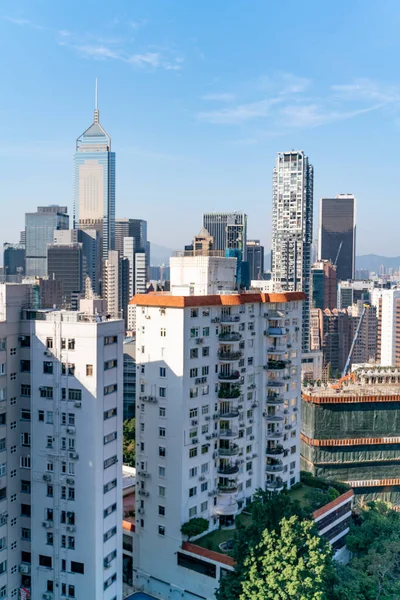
x: 217, y: 412
x: 292, y: 222
x: 387, y: 303
x: 62, y: 426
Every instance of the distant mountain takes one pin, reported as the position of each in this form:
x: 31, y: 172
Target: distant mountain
x: 159, y: 254
x: 372, y: 262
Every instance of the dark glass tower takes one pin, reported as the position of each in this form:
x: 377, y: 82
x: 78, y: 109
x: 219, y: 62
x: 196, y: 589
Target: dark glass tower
x: 337, y: 234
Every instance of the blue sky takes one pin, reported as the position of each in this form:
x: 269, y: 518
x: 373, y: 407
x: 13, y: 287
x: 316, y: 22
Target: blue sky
x: 198, y: 96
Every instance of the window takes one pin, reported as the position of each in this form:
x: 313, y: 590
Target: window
x: 162, y: 411
x: 46, y: 391
x: 110, y: 437
x: 110, y: 461
x: 49, y: 443
x: 161, y: 530
x: 41, y: 415
x: 108, y: 511
x: 3, y: 567
x: 110, y: 339
x: 110, y: 533
x: 110, y: 486
x: 163, y: 371
x: 63, y: 343
x: 45, y: 561
x: 206, y: 331
x: 25, y: 533
x: 25, y: 389
x: 161, y: 491
x: 194, y: 392
x: 110, y: 364
x: 204, y: 409
x: 49, y: 538
x: 67, y: 369
x: 25, y: 439
x: 71, y: 344
x: 161, y: 431
x: 89, y: 370
x: 48, y: 367
x: 162, y: 392
x: 161, y: 510
x: 109, y: 389
x: 205, y: 389
x: 192, y: 512
x: 204, y: 468
x: 204, y: 449
x: 49, y: 490
x: 49, y: 417
x: 25, y: 486
x: 194, y: 372
x: 71, y: 493
x: 192, y: 492
x: 163, y: 332
x: 25, y: 366
x: 161, y: 451
x: 192, y: 452
x: 204, y: 429
x: 193, y: 413
x: 194, y: 312
x: 24, y: 462
x: 77, y: 567
x: 49, y: 343
x: 50, y: 466
x: 194, y: 332
x: 110, y: 581
x: 74, y: 394
x: 204, y: 486
x: 71, y: 419
x: 193, y: 433
x: 161, y: 471
x: 193, y: 472
x: 71, y: 591
x: 110, y: 413
x: 250, y: 360
x: 194, y: 353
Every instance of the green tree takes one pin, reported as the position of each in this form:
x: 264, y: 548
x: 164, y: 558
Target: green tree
x: 194, y: 527
x: 292, y: 563
x: 129, y: 442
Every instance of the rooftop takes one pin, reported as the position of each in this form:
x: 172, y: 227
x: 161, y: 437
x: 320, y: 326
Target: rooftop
x: 169, y: 301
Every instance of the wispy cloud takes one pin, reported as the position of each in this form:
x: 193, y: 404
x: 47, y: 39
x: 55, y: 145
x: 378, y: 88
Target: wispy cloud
x: 240, y: 113
x: 96, y: 52
x: 21, y: 22
x: 222, y: 97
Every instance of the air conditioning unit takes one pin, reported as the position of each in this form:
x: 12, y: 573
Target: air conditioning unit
x: 141, y: 511
x: 71, y: 528
x: 73, y: 455
x: 47, y: 353
x: 251, y: 420
x: 252, y: 437
x: 70, y: 481
x: 209, y: 437
x: 47, y: 477
x: 70, y: 429
x: 195, y: 441
x: 25, y: 569
x: 194, y: 422
x: 47, y: 596
x: 208, y: 418
x: 249, y: 472
x: 47, y: 524
x: 202, y: 478
x: 77, y: 404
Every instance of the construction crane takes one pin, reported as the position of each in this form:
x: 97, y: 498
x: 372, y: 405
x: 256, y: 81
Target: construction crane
x: 360, y: 322
x: 337, y: 255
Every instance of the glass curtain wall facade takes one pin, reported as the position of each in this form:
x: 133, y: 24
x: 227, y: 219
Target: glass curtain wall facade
x: 39, y: 232
x: 337, y: 234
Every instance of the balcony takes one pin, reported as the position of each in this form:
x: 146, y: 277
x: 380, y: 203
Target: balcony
x: 275, y: 485
x: 232, y: 414
x: 275, y: 435
x: 227, y: 469
x: 275, y: 331
x: 275, y: 383
x: 227, y: 488
x: 229, y: 356
x: 229, y: 337
x: 277, y: 365
x: 275, y: 400
x: 277, y: 350
x: 229, y: 318
x: 229, y: 376
x: 274, y: 468
x: 228, y: 433
x: 231, y: 451
x: 275, y: 451
x: 227, y: 392
x: 272, y: 418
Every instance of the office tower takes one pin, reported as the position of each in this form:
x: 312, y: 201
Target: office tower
x: 140, y: 273
x: 337, y: 233
x: 13, y: 259
x: 229, y: 230
x: 292, y: 229
x: 387, y: 303
x: 349, y: 292
x: 366, y: 347
x: 129, y: 377
x: 255, y: 258
x: 208, y: 438
x: 121, y: 232
x: 39, y: 232
x: 336, y: 340
x: 22, y: 237
x: 94, y: 184
x: 129, y: 253
x: 116, y: 284
x: 62, y: 413
x: 352, y: 433
x: 65, y: 264
x: 323, y: 285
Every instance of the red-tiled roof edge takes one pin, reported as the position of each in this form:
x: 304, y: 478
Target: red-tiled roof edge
x: 214, y: 300
x: 330, y: 505
x: 221, y: 558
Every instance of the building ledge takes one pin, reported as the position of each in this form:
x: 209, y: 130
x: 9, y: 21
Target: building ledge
x: 210, y: 554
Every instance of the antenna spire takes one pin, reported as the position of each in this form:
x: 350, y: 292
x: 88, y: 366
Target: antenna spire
x: 96, y: 110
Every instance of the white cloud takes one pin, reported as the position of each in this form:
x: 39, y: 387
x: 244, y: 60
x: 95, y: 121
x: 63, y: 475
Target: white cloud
x: 147, y: 59
x: 22, y: 22
x: 97, y: 52
x: 222, y: 97
x: 240, y: 113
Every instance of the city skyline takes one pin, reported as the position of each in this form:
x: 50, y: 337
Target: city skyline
x: 175, y: 106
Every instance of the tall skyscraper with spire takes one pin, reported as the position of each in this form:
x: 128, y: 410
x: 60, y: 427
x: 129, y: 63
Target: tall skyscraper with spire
x: 94, y: 183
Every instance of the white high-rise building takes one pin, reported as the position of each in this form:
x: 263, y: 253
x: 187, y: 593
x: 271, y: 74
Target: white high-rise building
x: 217, y: 418
x: 111, y: 282
x: 387, y: 303
x: 61, y: 414
x: 292, y: 235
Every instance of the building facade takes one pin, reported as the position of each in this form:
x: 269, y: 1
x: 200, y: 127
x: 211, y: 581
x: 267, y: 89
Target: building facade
x: 255, y: 258
x: 387, y: 304
x: 13, y: 259
x: 324, y: 294
x: 217, y: 418
x: 229, y: 230
x: 39, y: 232
x: 65, y: 264
x: 94, y: 184
x: 292, y: 229
x: 337, y: 234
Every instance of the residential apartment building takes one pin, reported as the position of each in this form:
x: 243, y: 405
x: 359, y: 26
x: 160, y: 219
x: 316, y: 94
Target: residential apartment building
x: 387, y: 303
x: 292, y: 229
x: 61, y: 422
x: 217, y: 413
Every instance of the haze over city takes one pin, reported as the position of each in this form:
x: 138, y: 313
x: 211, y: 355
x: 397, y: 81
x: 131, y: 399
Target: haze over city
x: 198, y: 98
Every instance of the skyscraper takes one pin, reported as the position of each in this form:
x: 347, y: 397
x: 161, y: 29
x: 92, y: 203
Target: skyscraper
x: 94, y: 183
x: 65, y: 264
x: 292, y: 221
x: 14, y: 259
x: 229, y: 230
x: 255, y: 258
x: 337, y: 233
x: 39, y: 232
